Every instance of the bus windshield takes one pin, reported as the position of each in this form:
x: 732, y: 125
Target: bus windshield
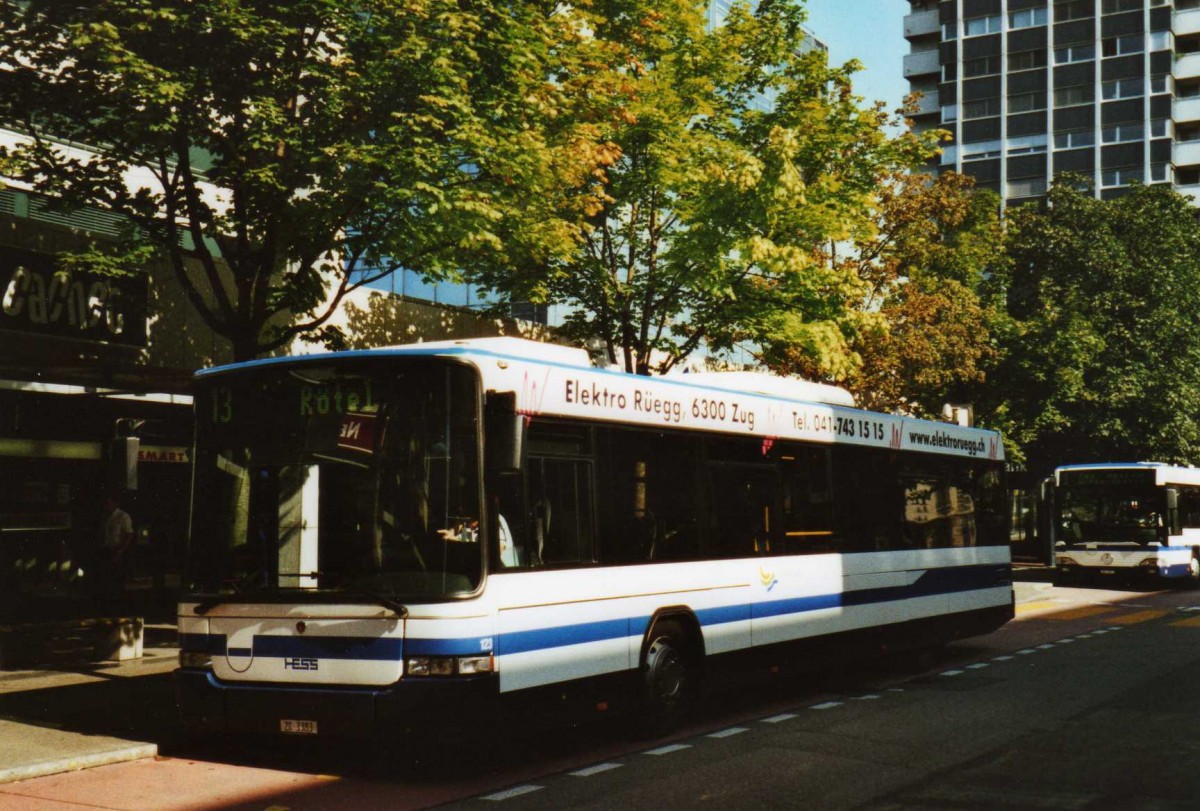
x: 351, y: 477
x: 1111, y: 506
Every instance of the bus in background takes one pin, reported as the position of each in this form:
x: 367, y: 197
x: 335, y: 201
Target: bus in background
x: 1135, y: 518
x: 426, y: 532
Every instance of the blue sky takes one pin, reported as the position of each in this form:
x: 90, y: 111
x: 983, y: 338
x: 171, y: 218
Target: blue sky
x: 871, y: 31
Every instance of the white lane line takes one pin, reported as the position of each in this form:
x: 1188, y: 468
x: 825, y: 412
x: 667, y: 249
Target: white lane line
x: 1066, y: 641
x: 1115, y: 628
x: 726, y: 733
x: 668, y: 749
x: 775, y: 719
x: 826, y: 705
x: 599, y: 768
x: 1047, y: 646
x: 1099, y: 631
x: 978, y: 666
x: 868, y: 697
x: 895, y: 689
x: 1026, y: 652
x: 1004, y: 658
x: 952, y: 672
x: 1084, y: 636
x: 508, y: 794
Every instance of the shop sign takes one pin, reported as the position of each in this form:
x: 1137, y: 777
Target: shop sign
x: 38, y: 298
x: 162, y: 453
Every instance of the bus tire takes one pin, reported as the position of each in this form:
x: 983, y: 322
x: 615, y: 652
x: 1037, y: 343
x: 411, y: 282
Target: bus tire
x: 668, y: 681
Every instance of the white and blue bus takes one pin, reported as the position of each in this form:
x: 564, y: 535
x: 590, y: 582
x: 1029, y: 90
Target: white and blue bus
x: 388, y: 535
x: 1127, y: 518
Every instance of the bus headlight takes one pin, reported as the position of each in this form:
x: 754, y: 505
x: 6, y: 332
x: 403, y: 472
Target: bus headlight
x: 195, y: 659
x: 448, y: 665
x: 1149, y: 563
x: 1063, y: 560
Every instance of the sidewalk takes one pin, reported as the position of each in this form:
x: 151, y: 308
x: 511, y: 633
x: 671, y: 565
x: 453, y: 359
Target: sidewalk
x: 89, y: 714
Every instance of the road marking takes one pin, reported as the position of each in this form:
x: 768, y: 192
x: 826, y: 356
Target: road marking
x: 952, y: 673
x: 775, y: 719
x: 599, y: 768
x: 1190, y: 608
x: 1081, y: 612
x: 827, y: 705
x: 668, y: 749
x: 1040, y: 605
x: 1120, y: 627
x: 895, y: 689
x: 1004, y: 658
x: 1066, y: 641
x: 978, y: 666
x: 1099, y: 631
x: 1047, y: 646
x: 726, y: 733
x: 1084, y: 636
x: 1026, y: 652
x: 508, y: 794
x: 868, y: 697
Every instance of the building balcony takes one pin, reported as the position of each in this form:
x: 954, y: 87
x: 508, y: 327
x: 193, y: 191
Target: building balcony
x: 1184, y: 22
x: 1186, y: 110
x: 923, y: 63
x: 1190, y: 191
x: 1187, y: 66
x: 1186, y: 153
x: 927, y: 105
x: 922, y: 23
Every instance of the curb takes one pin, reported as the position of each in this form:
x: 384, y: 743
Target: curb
x: 124, y: 754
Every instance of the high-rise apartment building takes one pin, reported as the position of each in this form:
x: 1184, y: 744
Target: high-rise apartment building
x: 1033, y: 88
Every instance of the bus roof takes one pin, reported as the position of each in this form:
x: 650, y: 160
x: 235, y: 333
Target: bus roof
x: 553, y: 380
x: 1164, y: 473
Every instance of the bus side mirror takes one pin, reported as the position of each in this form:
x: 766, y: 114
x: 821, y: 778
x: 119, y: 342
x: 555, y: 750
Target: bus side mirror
x: 504, y: 433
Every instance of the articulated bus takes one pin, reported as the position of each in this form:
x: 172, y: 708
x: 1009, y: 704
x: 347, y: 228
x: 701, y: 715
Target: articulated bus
x: 1136, y: 518
x: 424, y: 532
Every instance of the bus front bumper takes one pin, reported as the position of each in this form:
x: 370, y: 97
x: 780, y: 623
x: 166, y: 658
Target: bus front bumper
x: 209, y: 705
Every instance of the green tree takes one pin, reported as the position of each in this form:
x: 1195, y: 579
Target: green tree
x: 1102, y: 361
x: 928, y: 264
x: 279, y: 154
x: 741, y: 158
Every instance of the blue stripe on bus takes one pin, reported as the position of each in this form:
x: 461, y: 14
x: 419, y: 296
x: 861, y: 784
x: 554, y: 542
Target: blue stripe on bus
x: 931, y: 583
x: 1123, y: 547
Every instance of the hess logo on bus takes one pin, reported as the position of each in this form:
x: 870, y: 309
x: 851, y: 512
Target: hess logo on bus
x: 297, y: 663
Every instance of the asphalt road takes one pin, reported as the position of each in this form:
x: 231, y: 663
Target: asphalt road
x: 1087, y: 700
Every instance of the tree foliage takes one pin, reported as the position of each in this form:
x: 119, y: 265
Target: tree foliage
x: 273, y: 150
x: 741, y: 159
x: 1103, y: 358
x: 928, y: 264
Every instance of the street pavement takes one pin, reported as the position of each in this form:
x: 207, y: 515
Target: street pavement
x: 76, y: 716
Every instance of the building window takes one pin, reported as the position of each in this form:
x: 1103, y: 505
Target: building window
x: 1075, y: 94
x: 1074, y: 10
x: 1159, y: 128
x: 1187, y: 88
x: 1122, y: 132
x: 1160, y: 172
x: 1026, y: 145
x: 1117, y: 6
x: 1027, y: 18
x: 1185, y: 133
x: 1026, y: 60
x: 981, y: 25
x: 1182, y: 5
x: 981, y: 66
x: 1160, y: 83
x: 980, y: 109
x: 1027, y: 102
x: 1122, y: 176
x: 1075, y: 139
x: 1123, y: 88
x: 1075, y: 53
x: 949, y: 154
x: 981, y: 150
x: 1160, y: 40
x: 949, y: 72
x: 1187, y: 175
x: 1128, y: 44
x: 950, y: 30
x: 1026, y: 187
x: 949, y: 113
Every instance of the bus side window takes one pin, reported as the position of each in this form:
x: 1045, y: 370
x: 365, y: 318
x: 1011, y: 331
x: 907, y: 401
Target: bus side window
x: 560, y: 513
x: 807, y: 500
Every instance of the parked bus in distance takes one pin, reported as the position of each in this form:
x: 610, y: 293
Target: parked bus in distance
x: 428, y: 532
x: 1127, y: 518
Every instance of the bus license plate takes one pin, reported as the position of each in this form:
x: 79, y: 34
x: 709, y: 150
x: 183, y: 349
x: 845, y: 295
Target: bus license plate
x: 291, y: 727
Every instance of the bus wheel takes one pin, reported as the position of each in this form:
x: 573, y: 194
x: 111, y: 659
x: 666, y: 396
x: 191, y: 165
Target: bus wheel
x: 666, y: 683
